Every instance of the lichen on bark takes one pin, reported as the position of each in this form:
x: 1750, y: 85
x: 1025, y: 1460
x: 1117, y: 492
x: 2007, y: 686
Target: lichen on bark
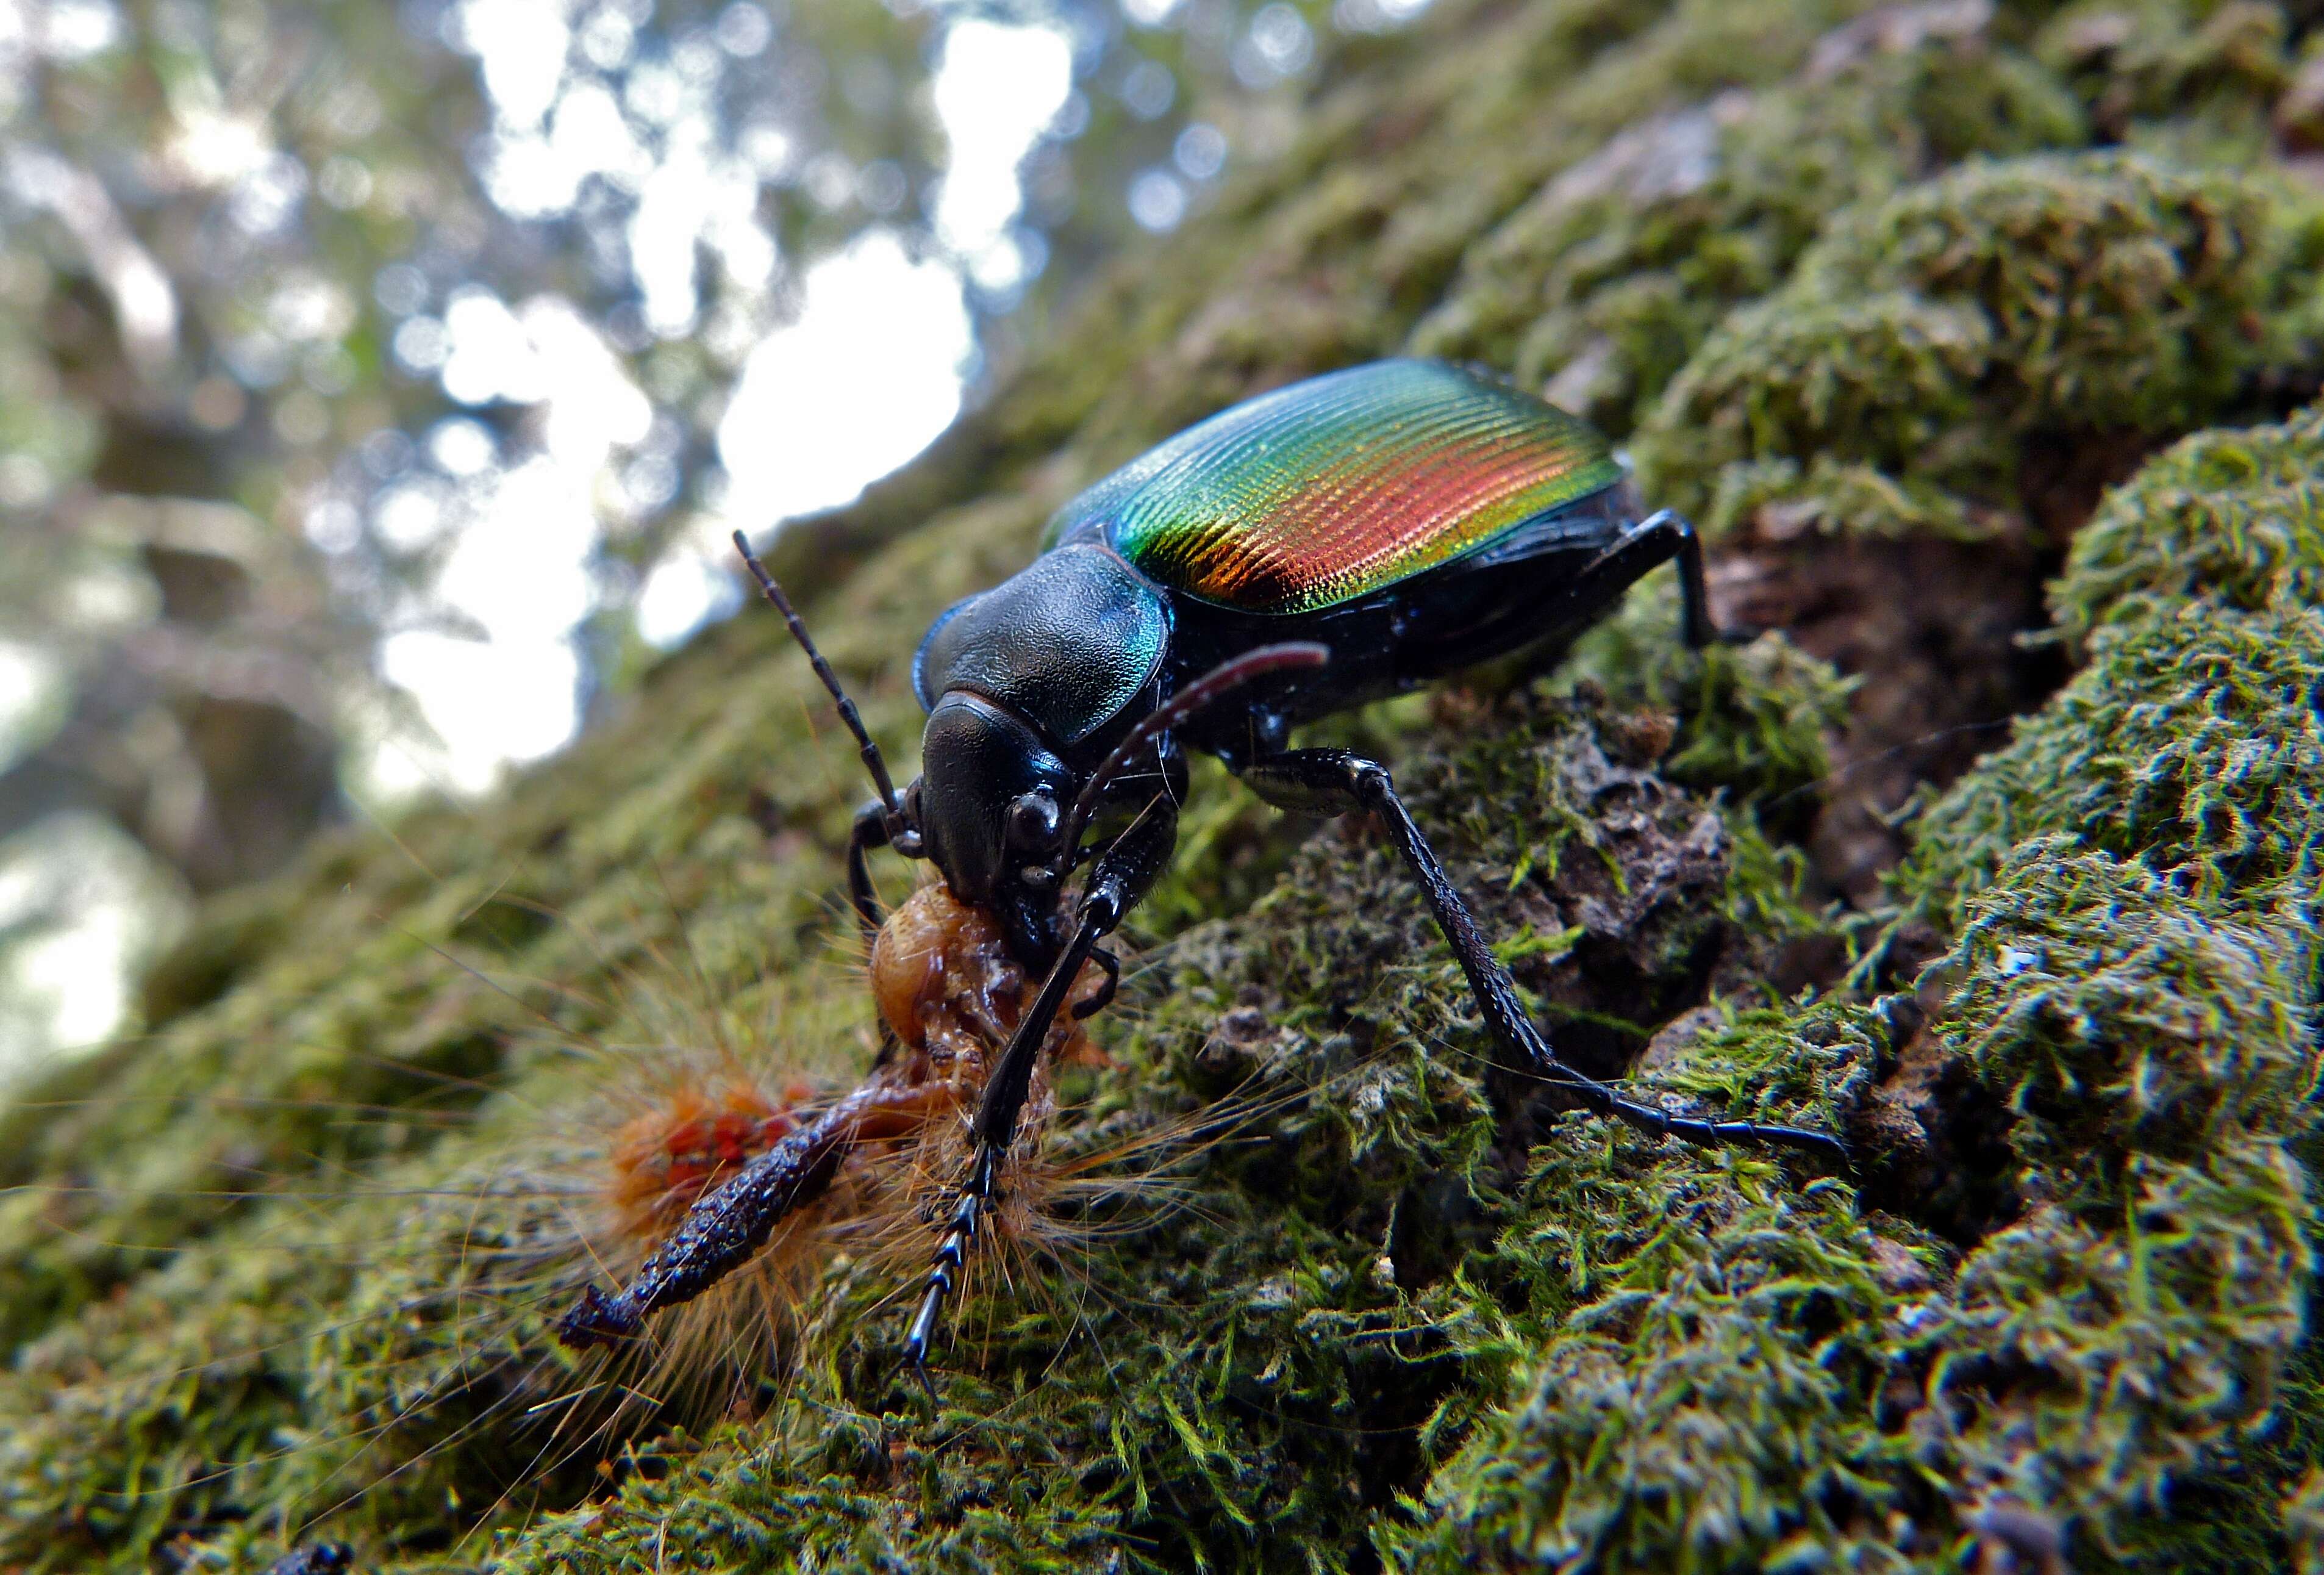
x: 1917, y: 305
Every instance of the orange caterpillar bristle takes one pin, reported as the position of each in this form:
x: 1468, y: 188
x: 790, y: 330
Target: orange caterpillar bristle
x: 570, y: 1195
x: 863, y: 1167
x: 668, y: 1156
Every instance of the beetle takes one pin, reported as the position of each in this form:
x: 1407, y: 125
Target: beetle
x: 1303, y: 553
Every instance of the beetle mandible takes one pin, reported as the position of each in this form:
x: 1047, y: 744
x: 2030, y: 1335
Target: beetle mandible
x: 1405, y: 519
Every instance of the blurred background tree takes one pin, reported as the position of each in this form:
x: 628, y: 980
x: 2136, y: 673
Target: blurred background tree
x: 378, y: 382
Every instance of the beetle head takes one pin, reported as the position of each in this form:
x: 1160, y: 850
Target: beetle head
x: 990, y: 805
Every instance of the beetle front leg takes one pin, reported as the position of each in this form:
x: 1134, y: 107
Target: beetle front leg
x: 870, y: 832
x: 1103, y: 996
x: 1121, y: 876
x: 1331, y: 782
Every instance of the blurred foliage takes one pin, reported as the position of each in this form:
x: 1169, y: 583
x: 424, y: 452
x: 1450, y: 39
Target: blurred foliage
x: 301, y: 302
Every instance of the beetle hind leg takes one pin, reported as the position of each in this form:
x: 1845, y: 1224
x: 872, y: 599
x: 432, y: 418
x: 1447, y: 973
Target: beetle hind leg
x: 1665, y: 537
x: 1331, y: 782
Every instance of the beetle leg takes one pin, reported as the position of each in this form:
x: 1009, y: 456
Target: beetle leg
x: 1111, y: 966
x: 870, y: 832
x: 1665, y: 537
x: 995, y: 1125
x: 1329, y: 781
x: 1120, y: 876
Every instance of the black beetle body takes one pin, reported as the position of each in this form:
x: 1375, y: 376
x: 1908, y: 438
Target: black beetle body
x: 1296, y: 555
x: 1029, y: 686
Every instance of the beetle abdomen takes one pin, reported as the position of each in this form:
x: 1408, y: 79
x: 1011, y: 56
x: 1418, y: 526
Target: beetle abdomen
x: 1345, y: 485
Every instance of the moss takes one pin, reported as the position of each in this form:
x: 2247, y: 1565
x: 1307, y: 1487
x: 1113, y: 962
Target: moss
x: 2154, y: 67
x: 1879, y: 378
x: 1753, y: 720
x: 2236, y: 517
x: 1744, y: 1375
x: 1928, y: 334
x: 1705, y: 1402
x: 2192, y: 742
x: 214, y: 958
x: 2083, y: 1368
x: 2300, y: 1520
x: 2119, y: 1017
x: 712, y: 1505
x: 1850, y: 274
x: 1829, y: 497
x: 1608, y: 280
x: 2118, y: 291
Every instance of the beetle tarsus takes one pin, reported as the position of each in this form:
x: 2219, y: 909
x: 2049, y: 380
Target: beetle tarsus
x: 918, y: 1358
x: 1103, y: 996
x: 1711, y: 1134
x: 951, y: 1257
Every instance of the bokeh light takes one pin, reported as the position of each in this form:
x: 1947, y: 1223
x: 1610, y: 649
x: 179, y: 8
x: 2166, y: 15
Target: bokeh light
x: 387, y: 377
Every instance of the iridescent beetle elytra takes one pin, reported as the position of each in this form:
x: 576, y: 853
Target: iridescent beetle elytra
x: 1303, y: 553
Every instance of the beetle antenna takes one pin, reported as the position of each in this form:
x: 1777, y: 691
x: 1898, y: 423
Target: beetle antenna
x: 869, y: 751
x: 1222, y: 680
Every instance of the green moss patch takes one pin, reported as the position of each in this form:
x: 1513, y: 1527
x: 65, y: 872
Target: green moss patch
x: 1862, y: 291
x: 2193, y: 743
x: 2235, y: 517
x: 1930, y: 333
